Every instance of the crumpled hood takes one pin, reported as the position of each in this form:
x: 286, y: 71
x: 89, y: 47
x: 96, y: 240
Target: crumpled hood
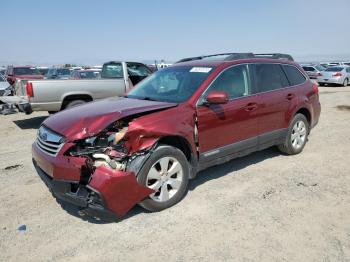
x: 89, y: 119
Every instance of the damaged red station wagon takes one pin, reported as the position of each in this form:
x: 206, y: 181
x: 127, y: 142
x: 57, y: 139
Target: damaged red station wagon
x: 109, y: 155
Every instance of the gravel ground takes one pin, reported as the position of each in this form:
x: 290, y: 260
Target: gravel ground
x: 263, y: 207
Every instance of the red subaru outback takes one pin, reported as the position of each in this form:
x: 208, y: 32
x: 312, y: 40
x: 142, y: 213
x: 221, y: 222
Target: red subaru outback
x: 109, y: 155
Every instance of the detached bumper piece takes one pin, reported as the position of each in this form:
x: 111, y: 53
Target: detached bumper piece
x: 109, y: 195
x: 25, y: 108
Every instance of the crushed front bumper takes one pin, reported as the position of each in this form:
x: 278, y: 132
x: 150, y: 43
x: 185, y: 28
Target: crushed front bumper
x: 109, y: 193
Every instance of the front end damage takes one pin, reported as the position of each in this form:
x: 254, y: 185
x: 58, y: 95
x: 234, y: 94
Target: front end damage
x: 97, y: 174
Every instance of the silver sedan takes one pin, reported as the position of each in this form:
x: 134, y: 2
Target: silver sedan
x: 339, y: 75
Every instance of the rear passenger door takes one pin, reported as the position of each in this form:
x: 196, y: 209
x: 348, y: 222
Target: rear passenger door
x: 273, y: 97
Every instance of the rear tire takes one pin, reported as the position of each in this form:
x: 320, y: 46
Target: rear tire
x: 346, y: 82
x: 296, y: 139
x: 167, y: 172
x: 74, y: 103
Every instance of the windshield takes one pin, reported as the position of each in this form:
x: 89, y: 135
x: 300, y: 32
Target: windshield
x: 26, y: 71
x: 334, y: 69
x: 63, y: 71
x: 173, y: 84
x: 320, y: 68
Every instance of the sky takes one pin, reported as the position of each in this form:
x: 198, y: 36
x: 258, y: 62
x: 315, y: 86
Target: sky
x: 92, y: 32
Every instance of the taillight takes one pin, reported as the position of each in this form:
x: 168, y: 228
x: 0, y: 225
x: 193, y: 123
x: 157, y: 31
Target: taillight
x: 315, y: 88
x: 337, y: 74
x: 29, y: 89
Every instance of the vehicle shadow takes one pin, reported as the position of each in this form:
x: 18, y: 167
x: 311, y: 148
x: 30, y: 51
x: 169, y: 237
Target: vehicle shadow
x: 30, y: 123
x: 77, y: 212
x: 218, y: 171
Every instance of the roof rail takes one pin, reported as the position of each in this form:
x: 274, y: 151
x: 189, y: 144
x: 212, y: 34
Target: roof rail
x: 236, y: 56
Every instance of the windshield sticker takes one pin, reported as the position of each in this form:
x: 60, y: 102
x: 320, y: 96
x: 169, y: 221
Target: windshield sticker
x: 200, y: 69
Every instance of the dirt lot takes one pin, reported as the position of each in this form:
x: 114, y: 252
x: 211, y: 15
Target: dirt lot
x: 263, y: 207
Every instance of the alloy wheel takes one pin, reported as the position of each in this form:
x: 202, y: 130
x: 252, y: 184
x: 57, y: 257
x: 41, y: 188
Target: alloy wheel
x: 298, y: 135
x: 165, y: 178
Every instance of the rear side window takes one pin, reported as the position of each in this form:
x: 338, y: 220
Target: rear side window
x: 295, y: 77
x: 270, y: 77
x: 135, y: 69
x: 309, y: 68
x: 112, y: 70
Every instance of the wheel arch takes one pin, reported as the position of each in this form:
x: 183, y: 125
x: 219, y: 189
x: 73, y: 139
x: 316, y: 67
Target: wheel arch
x: 185, y: 147
x: 73, y: 97
x: 306, y: 112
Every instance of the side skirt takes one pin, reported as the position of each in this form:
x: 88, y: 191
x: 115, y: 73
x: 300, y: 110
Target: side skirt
x: 242, y: 148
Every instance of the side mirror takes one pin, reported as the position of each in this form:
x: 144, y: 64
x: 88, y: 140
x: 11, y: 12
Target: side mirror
x: 217, y: 97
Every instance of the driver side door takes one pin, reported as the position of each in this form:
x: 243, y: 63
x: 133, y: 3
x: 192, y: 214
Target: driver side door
x: 231, y: 128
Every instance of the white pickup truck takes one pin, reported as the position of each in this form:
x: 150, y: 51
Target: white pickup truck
x: 55, y: 95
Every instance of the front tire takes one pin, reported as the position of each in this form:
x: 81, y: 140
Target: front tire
x: 166, y: 171
x: 296, y: 139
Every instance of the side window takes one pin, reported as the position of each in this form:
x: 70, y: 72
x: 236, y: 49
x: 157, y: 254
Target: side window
x: 138, y: 70
x: 234, y: 81
x: 308, y: 68
x: 348, y: 70
x: 295, y: 77
x: 112, y: 70
x: 270, y: 77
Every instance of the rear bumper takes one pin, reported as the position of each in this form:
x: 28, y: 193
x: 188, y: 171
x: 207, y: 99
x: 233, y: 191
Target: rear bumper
x: 338, y: 81
x: 108, y: 193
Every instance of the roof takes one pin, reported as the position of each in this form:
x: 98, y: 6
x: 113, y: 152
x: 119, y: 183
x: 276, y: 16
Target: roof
x: 217, y: 59
x: 215, y: 63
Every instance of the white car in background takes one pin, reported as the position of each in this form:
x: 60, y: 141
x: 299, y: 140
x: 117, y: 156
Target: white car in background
x: 5, y: 88
x: 339, y: 75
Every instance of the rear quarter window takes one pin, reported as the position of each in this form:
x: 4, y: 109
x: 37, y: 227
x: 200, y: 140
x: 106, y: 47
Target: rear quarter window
x: 294, y: 76
x: 308, y: 68
x: 112, y: 70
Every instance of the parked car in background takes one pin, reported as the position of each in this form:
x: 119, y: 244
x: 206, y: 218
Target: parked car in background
x: 152, y: 67
x: 55, y: 95
x: 313, y: 70
x: 339, y: 75
x: 329, y: 64
x: 85, y: 74
x: 109, y: 155
x: 58, y: 73
x: 43, y: 70
x: 14, y: 73
x: 5, y: 87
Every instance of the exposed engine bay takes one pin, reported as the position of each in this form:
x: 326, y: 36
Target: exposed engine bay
x: 107, y: 148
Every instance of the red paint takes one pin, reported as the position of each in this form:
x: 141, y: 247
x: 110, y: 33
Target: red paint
x: 217, y: 97
x: 60, y: 167
x: 120, y: 190
x: 89, y: 119
x: 12, y: 77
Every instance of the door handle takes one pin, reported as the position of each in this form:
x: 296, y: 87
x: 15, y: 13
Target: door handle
x: 251, y: 107
x: 290, y: 96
